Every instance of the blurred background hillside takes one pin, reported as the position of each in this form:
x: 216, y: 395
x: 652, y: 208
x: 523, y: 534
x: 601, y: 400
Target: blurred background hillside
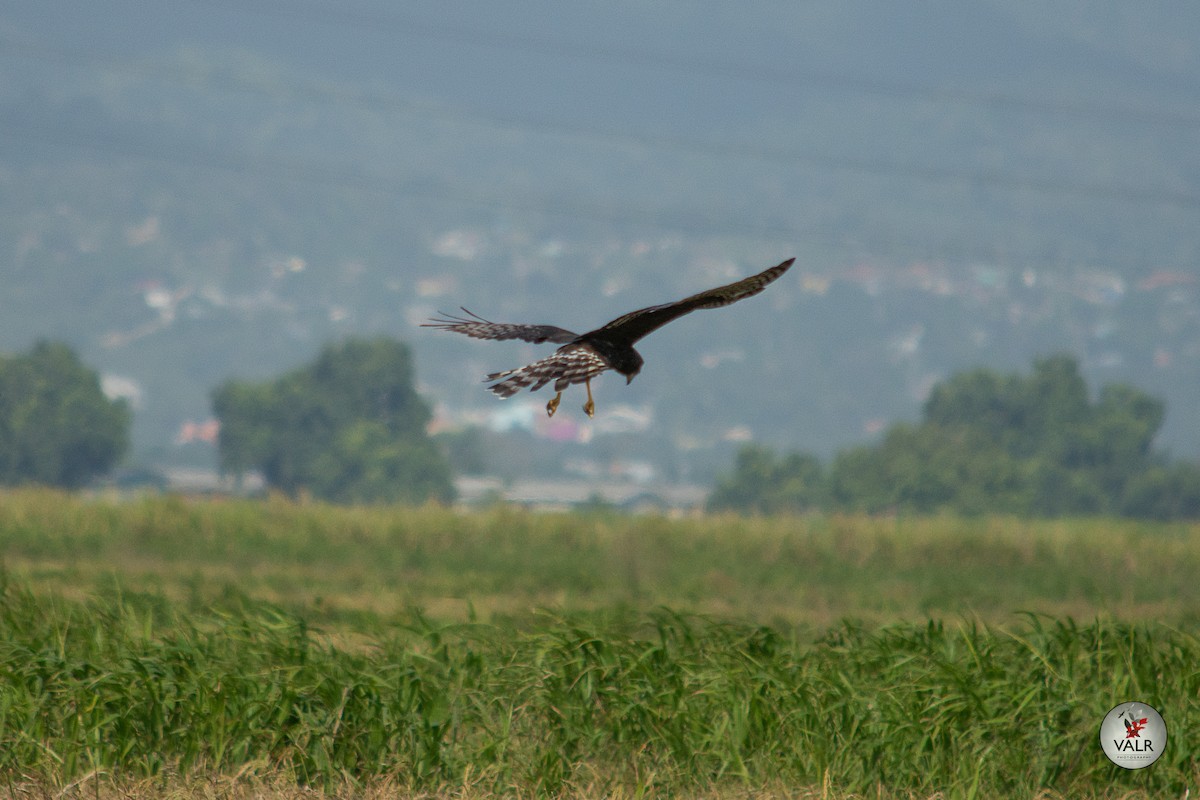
x: 194, y: 191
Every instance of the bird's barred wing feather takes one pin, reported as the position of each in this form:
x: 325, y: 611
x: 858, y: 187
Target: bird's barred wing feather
x: 477, y: 327
x: 630, y: 327
x: 568, y: 365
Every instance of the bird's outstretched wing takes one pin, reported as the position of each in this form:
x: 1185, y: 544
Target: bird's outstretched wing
x: 630, y: 327
x: 477, y: 327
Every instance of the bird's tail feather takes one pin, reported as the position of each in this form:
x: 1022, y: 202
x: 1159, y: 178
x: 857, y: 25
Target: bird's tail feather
x: 566, y: 366
x: 514, y: 380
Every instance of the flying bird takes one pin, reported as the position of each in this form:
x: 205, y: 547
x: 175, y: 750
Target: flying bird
x: 584, y: 356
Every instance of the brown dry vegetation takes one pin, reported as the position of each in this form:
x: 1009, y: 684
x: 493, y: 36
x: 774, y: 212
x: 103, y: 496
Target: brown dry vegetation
x: 811, y: 571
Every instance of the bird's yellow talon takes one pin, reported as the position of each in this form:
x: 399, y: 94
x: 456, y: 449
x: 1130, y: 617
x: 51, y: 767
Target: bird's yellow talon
x: 552, y: 406
x: 589, y: 407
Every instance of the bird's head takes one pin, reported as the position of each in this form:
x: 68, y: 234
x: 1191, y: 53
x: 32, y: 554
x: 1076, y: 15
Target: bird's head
x: 620, y: 357
x: 629, y: 364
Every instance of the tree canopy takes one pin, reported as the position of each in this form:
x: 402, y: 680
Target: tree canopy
x: 56, y: 425
x: 988, y: 442
x: 349, y: 427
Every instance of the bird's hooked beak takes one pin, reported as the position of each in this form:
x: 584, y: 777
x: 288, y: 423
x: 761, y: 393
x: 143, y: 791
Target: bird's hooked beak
x: 629, y: 379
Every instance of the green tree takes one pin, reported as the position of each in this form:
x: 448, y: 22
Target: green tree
x: 929, y: 468
x: 56, y: 425
x: 1026, y: 444
x: 761, y: 483
x: 350, y: 427
x: 1022, y: 415
x: 988, y: 442
x: 1164, y: 492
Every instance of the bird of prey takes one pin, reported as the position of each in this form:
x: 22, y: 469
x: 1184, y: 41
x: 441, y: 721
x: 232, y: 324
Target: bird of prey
x: 584, y: 356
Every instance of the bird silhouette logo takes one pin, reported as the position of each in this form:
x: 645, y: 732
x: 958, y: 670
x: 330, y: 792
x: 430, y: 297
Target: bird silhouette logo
x: 1133, y: 725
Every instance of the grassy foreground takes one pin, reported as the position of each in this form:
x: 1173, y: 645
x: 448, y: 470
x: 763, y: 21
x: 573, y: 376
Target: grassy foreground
x: 593, y: 703
x: 170, y: 648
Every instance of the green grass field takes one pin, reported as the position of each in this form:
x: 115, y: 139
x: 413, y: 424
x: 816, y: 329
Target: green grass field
x: 165, y: 647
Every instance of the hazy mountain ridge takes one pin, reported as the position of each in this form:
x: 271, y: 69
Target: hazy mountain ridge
x: 212, y: 204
